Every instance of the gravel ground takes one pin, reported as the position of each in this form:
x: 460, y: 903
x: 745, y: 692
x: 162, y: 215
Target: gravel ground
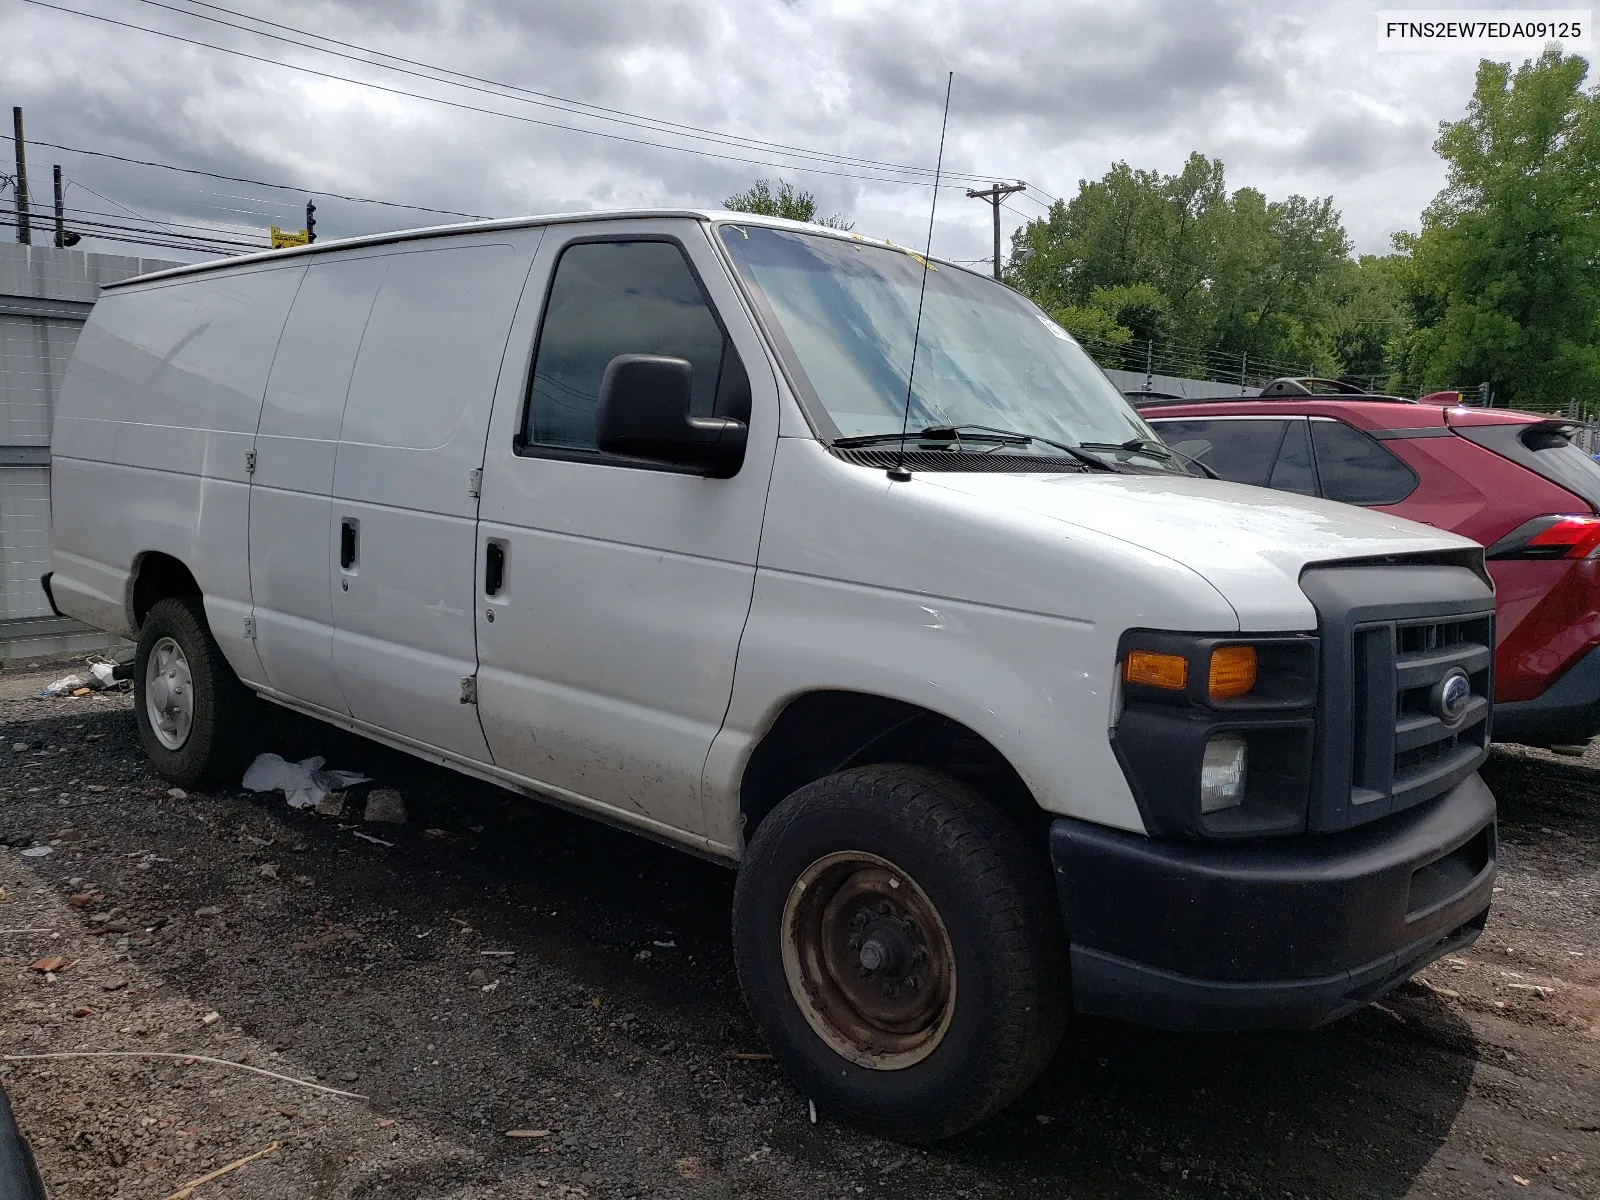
x: 505, y: 967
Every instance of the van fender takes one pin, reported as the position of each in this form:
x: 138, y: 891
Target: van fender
x: 1038, y: 688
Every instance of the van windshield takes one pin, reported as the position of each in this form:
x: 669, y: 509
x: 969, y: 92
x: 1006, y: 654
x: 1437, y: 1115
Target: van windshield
x: 846, y: 312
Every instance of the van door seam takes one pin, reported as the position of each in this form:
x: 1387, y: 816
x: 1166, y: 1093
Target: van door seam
x: 250, y: 475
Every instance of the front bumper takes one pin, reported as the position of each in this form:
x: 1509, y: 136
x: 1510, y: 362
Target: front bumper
x: 1284, y: 934
x: 1568, y: 713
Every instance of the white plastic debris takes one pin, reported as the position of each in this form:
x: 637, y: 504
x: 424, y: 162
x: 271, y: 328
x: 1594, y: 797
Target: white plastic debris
x: 38, y: 851
x: 304, y: 783
x: 64, y: 686
x: 101, y: 675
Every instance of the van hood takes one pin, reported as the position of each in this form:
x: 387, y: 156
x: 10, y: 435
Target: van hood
x: 1249, y: 543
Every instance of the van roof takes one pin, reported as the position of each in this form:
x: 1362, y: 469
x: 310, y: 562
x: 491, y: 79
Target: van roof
x: 461, y: 227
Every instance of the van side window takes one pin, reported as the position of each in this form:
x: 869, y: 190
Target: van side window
x: 611, y: 298
x: 1356, y: 469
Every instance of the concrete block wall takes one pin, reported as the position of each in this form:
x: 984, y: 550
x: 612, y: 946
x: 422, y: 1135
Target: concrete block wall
x: 45, y: 296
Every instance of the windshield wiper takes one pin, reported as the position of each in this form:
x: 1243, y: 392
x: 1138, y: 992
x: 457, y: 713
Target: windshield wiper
x: 981, y: 433
x: 939, y: 433
x: 1154, y: 449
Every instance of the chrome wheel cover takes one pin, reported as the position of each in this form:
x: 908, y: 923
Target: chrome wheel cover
x: 169, y: 694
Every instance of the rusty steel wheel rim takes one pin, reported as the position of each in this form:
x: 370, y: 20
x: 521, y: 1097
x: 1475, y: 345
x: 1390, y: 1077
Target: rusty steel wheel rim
x: 868, y: 960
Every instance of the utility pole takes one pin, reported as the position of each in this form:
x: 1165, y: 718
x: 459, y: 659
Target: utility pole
x: 61, y: 210
x: 24, y: 234
x: 994, y: 194
x: 311, y: 222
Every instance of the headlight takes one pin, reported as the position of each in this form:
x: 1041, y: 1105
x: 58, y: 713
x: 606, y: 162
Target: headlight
x: 1215, y: 731
x: 1222, y: 773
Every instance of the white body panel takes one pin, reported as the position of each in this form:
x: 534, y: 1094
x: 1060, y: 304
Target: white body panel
x: 652, y: 625
x: 607, y: 667
x: 998, y: 600
x: 413, y: 434
x: 157, y: 415
x: 1250, y: 543
x: 291, y: 502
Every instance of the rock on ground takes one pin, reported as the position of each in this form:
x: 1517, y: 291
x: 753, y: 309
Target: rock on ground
x: 387, y: 805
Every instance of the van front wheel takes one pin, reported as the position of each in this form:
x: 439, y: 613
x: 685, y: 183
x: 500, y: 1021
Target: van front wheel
x: 901, y: 947
x: 187, y: 702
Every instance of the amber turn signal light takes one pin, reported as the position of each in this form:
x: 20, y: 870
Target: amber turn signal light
x: 1233, y: 671
x: 1170, y: 671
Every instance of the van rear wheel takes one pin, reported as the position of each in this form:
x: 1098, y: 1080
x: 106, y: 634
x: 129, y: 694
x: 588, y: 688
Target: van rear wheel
x: 188, y: 704
x: 901, y: 947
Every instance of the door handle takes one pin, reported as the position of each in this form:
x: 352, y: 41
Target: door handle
x: 494, y: 569
x: 348, y: 543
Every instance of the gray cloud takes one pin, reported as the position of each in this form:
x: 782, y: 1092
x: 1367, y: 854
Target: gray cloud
x: 1291, y: 99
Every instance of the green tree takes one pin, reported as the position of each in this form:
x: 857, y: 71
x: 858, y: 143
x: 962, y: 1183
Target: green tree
x: 1180, y: 260
x: 784, y: 201
x: 1368, y: 327
x: 1093, y: 325
x: 1504, y: 278
x: 1140, y: 308
x: 1127, y: 228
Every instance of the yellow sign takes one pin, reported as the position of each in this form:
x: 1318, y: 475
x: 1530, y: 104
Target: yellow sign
x: 282, y: 239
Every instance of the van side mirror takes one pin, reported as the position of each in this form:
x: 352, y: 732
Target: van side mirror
x: 644, y: 413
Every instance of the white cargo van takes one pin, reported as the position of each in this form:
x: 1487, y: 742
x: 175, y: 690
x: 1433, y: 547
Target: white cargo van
x: 611, y: 510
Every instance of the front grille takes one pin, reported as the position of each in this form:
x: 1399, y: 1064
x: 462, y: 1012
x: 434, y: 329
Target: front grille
x: 1390, y: 636
x: 1405, y: 752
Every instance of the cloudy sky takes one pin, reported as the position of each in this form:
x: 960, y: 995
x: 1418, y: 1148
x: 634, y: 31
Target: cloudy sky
x: 842, y: 99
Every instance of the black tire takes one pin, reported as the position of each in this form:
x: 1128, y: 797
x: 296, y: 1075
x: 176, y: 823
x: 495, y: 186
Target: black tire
x: 216, y: 742
x: 1009, y: 1001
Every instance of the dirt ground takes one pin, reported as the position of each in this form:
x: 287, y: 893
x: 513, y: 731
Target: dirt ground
x: 495, y: 966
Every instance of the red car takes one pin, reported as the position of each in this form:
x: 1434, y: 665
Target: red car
x: 1513, y: 481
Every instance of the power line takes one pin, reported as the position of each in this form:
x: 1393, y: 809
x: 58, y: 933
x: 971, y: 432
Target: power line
x: 9, y: 222
x: 456, y: 104
x: 600, y: 110
x: 108, y: 200
x: 283, y: 187
x: 87, y: 224
x: 530, y: 95
x: 169, y: 231
x: 171, y: 225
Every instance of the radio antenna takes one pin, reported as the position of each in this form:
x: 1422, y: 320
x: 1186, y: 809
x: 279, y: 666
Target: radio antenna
x: 898, y: 472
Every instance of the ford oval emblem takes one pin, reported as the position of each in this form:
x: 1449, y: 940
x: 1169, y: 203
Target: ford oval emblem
x: 1452, y: 696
